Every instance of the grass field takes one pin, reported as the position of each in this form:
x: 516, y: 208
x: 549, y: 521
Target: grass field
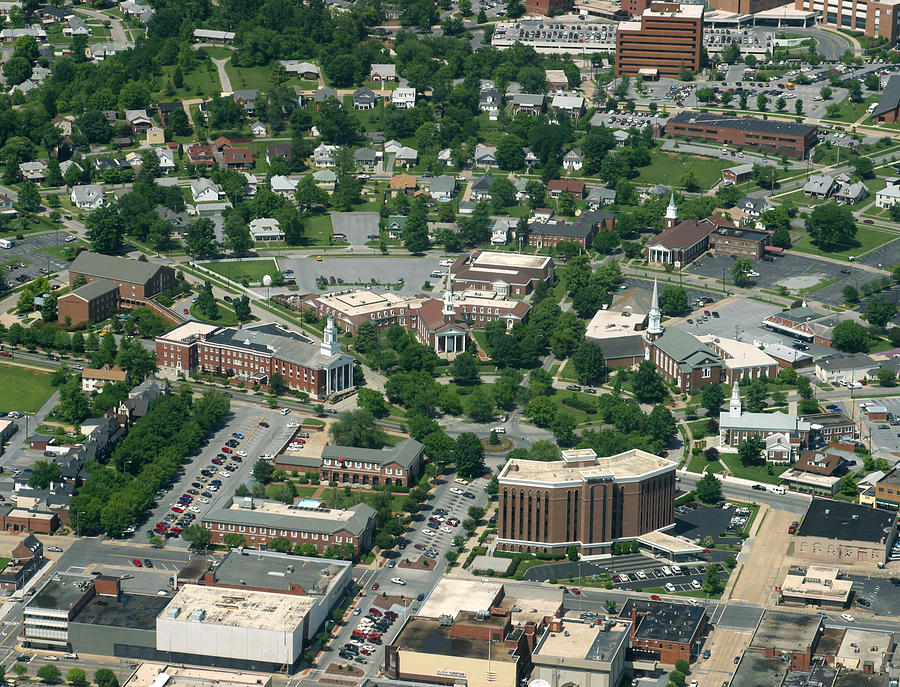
x: 866, y: 240
x: 319, y: 230
x: 253, y: 270
x: 197, y: 83
x: 32, y: 389
x: 699, y: 464
x: 3, y: 563
x: 850, y: 112
x: 247, y: 77
x: 226, y: 315
x: 667, y: 168
x: 758, y: 473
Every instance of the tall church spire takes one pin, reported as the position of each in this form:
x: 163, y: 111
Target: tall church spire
x: 671, y: 213
x: 331, y: 345
x: 654, y: 319
x: 448, y: 310
x: 734, y: 405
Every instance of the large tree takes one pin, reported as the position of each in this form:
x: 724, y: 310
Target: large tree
x: 465, y: 369
x: 673, y: 301
x: 879, y: 310
x: 469, y: 455
x: 589, y: 363
x: 711, y: 398
x: 105, y: 229
x: 648, y: 384
x: 832, y: 227
x: 850, y: 337
x: 750, y: 450
x: 357, y: 428
x: 740, y: 271
x: 200, y: 238
x: 43, y: 473
x: 709, y: 488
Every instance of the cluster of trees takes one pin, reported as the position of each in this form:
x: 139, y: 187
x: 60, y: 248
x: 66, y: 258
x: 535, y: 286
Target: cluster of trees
x: 394, y: 348
x: 146, y: 459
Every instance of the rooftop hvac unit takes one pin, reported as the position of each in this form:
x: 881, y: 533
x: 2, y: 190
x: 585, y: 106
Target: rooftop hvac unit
x: 198, y: 615
x: 173, y: 611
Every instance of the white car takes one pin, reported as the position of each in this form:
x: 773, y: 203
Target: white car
x: 267, y: 456
x: 194, y: 509
x: 398, y: 580
x: 370, y: 647
x: 428, y: 533
x: 693, y: 602
x: 203, y: 499
x: 456, y: 490
x: 670, y: 587
x: 849, y: 618
x: 224, y: 473
x: 242, y: 454
x: 293, y: 425
x: 445, y: 263
x: 641, y: 575
x: 212, y: 487
x: 447, y: 528
x: 624, y: 578
x: 695, y: 584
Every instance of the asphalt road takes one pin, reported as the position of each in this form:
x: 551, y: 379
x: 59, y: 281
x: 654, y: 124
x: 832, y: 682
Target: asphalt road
x: 790, y: 502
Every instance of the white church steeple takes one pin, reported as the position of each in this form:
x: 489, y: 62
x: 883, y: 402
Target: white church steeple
x: 448, y: 310
x: 654, y: 318
x: 331, y: 345
x: 671, y: 213
x: 734, y: 405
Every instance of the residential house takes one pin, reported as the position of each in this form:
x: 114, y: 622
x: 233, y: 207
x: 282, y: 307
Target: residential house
x: 266, y: 229
x: 246, y: 98
x: 490, y: 100
x: 94, y: 379
x: 820, y: 186
x: 600, y: 196
x: 323, y: 155
x: 156, y: 136
x: 138, y: 120
x: 12, y: 35
x: 395, y: 226
x: 573, y: 160
x: 573, y: 105
x: 88, y: 197
x: 63, y: 124
x: 238, y: 157
x: 847, y: 192
x: 200, y: 154
x: 365, y: 158
x: 582, y: 231
x: 100, y: 51
x: 392, y: 146
x: 166, y: 160
x: 557, y: 81
x: 177, y: 220
x: 284, y: 186
x: 206, y: 191
x: 323, y: 94
x: 556, y: 187
x: 221, y: 143
x: 753, y: 207
x: 889, y: 196
x: 325, y: 179
x: 164, y: 110
x: 130, y: 8
x: 442, y: 187
x: 36, y: 170
x: 621, y: 137
x: 211, y: 36
x: 528, y: 103
x: 481, y: 188
x: 407, y: 156
x: 305, y: 70
x: 258, y: 129
x: 277, y: 151
x: 104, y: 162
x: 65, y: 165
x: 404, y: 98
x: 403, y: 183
x: 485, y: 156
x: 251, y: 183
x: 6, y: 205
x: 844, y: 368
x: 383, y: 72
x: 530, y: 157
x: 364, y: 99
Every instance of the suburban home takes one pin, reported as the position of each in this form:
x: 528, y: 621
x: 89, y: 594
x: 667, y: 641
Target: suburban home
x: 364, y: 99
x: 383, y: 72
x: 528, y: 103
x: 210, y: 36
x: 556, y: 187
x: 820, y: 186
x: 277, y: 151
x: 490, y: 100
x: 164, y: 110
x: 573, y: 105
x: 177, y: 220
x: 365, y: 158
x: 403, y: 183
x: 64, y: 124
x: 323, y: 94
x: 573, y: 160
x: 407, y: 156
x: 395, y: 226
x: 404, y: 98
x: 845, y: 368
x: 266, y: 229
x: 138, y: 120
x: 130, y: 8
x: 258, y: 129
x: 753, y: 207
x: 323, y: 155
x: 200, y: 154
x: 305, y: 70
x: 442, y: 187
x: 246, y: 98
x: 88, y: 197
x: 284, y: 186
x: 847, y: 192
x: 156, y: 136
x: 65, y: 165
x: 392, y: 146
x: 238, y: 157
x: 485, y: 156
x: 889, y: 196
x: 251, y: 183
x: 94, y: 379
x: 204, y: 190
x: 6, y: 205
x: 36, y: 170
x: 481, y: 187
x: 325, y: 179
x: 600, y: 196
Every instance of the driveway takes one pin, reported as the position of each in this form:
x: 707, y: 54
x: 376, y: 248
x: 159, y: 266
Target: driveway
x: 356, y: 226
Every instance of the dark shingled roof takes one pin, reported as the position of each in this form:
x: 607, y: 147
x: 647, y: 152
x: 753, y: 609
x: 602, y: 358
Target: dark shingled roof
x: 769, y: 126
x: 890, y: 98
x: 841, y: 520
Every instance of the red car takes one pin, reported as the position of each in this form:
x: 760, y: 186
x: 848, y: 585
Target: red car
x: 374, y: 611
x: 175, y: 531
x: 375, y: 586
x: 655, y: 597
x: 575, y: 590
x: 136, y: 562
x: 176, y: 509
x: 187, y: 312
x: 365, y: 652
x: 421, y: 547
x: 225, y: 449
x: 6, y: 354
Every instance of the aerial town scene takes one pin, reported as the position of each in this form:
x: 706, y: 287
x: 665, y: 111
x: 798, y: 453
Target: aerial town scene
x: 469, y: 343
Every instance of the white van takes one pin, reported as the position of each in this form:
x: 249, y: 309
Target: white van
x: 777, y: 490
x: 666, y: 570
x: 6, y: 243
x: 285, y: 411
x: 499, y: 430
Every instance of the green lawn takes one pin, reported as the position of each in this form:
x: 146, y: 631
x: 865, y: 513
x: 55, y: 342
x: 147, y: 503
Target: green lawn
x: 3, y: 563
x: 699, y: 464
x: 198, y: 83
x: 247, y: 77
x: 217, y: 52
x: 758, y: 473
x: 319, y: 230
x: 226, y: 315
x: 866, y: 240
x: 667, y: 168
x: 236, y: 270
x: 699, y: 429
x: 304, y: 492
x: 32, y: 389
x: 62, y: 249
x: 850, y: 112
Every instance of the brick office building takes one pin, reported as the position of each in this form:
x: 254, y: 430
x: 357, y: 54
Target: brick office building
x: 685, y: 360
x: 788, y: 138
x: 664, y: 632
x: 584, y: 500
x: 135, y: 279
x: 89, y: 303
x: 875, y: 19
x: 742, y: 243
x: 508, y: 274
x: 667, y: 39
x: 790, y: 636
x: 254, y: 353
x: 545, y: 7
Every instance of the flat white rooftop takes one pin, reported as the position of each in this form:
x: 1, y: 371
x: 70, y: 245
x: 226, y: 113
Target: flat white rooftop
x: 515, y: 260
x: 628, y: 465
x: 451, y: 596
x: 582, y: 640
x: 167, y: 675
x: 610, y: 324
x: 237, y: 608
x: 738, y: 353
x: 690, y: 11
x: 278, y: 508
x: 189, y: 330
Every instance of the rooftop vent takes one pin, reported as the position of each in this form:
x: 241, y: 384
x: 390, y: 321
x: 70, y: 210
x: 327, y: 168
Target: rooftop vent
x: 198, y: 615
x: 173, y: 611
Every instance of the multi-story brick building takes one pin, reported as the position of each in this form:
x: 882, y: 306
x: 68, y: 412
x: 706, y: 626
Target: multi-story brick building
x: 663, y: 631
x: 790, y: 636
x: 887, y: 491
x: 742, y: 243
x: 877, y: 19
x: 259, y: 520
x: 582, y: 231
x: 89, y: 303
x: 771, y: 135
x: 735, y: 425
x: 135, y: 279
x: 584, y: 500
x: 545, y: 7
x: 803, y: 323
x: 740, y: 360
x: 256, y: 352
x: 508, y: 274
x: 396, y: 465
x: 667, y: 39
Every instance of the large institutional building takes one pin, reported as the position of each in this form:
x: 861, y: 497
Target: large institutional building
x: 875, y: 19
x: 667, y: 39
x: 256, y: 352
x: 770, y: 135
x: 584, y: 500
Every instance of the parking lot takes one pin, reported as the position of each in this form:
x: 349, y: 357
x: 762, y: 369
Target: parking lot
x: 383, y: 270
x: 258, y: 440
x: 885, y: 436
x: 30, y: 251
x: 356, y: 226
x: 878, y: 591
x: 702, y: 521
